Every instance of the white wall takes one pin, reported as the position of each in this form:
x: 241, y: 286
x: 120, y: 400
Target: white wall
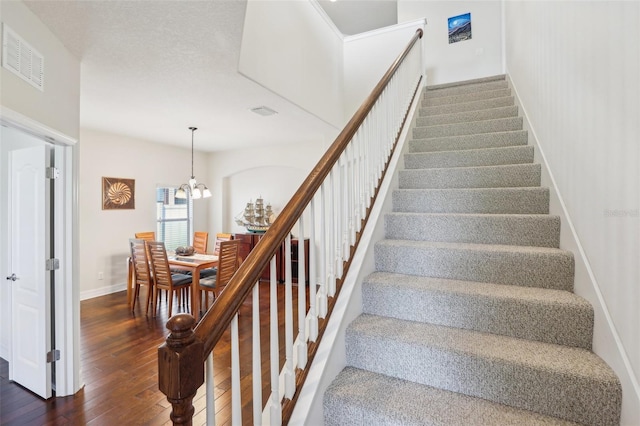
x: 234, y: 178
x: 104, y: 234
x: 288, y: 47
x: 54, y: 111
x: 58, y: 106
x: 479, y: 57
x: 368, y: 56
x: 239, y: 176
x: 576, y: 69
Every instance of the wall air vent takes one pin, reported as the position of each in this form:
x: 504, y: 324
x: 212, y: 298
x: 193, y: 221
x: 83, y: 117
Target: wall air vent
x: 22, y: 59
x: 263, y: 110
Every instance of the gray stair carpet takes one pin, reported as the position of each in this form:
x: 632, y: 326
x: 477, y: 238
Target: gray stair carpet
x: 470, y: 317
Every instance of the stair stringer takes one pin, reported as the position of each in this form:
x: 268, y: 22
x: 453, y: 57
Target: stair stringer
x: 331, y: 357
x: 606, y: 341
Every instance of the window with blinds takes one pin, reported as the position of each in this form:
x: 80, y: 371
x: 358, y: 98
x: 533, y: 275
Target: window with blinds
x: 175, y: 218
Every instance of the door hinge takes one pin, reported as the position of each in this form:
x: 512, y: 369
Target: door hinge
x: 52, y: 173
x: 53, y: 356
x: 52, y: 264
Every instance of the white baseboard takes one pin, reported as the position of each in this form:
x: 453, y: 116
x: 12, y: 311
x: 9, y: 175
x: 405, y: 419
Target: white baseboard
x: 97, y: 292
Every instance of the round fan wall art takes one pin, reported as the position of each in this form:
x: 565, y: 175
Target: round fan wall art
x: 118, y: 193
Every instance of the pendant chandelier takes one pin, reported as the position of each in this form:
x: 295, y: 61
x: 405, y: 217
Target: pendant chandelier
x: 197, y: 190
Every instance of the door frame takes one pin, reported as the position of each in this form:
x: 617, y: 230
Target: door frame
x: 67, y: 295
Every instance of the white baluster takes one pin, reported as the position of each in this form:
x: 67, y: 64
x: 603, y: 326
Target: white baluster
x: 331, y: 283
x: 211, y: 400
x: 313, y: 271
x: 322, y: 291
x: 274, y: 347
x: 340, y: 225
x: 256, y: 357
x: 302, y: 299
x: 236, y: 394
x: 353, y: 196
x: 289, y: 376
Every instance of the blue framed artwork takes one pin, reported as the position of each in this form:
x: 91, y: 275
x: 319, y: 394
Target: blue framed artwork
x: 460, y: 28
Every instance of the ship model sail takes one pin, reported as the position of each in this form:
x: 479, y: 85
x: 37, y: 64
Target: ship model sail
x: 256, y: 217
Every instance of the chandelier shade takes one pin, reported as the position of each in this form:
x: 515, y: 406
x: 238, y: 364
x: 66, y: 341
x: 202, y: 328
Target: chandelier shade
x: 193, y: 188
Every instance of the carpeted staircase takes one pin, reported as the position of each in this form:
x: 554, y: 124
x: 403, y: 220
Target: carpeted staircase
x: 470, y: 318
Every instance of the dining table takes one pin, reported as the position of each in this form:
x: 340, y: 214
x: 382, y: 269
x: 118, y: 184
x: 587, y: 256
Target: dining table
x: 194, y: 263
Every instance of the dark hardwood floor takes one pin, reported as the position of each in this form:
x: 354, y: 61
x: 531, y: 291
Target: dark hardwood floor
x: 119, y: 370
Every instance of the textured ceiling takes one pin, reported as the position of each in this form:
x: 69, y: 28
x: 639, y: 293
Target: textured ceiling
x: 151, y: 69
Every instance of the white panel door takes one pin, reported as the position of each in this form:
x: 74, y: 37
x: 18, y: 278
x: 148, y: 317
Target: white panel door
x: 29, y: 236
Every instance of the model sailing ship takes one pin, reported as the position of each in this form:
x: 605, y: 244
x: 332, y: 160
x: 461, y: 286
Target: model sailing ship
x: 256, y: 217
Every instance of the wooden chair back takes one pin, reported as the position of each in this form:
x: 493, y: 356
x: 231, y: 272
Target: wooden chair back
x: 141, y: 271
x: 220, y: 237
x: 147, y: 236
x: 227, y: 263
x: 200, y: 241
x: 162, y: 272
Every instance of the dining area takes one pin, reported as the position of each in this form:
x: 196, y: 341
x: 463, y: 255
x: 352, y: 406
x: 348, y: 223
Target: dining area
x: 185, y: 276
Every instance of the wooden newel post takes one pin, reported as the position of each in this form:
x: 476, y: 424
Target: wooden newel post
x: 181, y: 367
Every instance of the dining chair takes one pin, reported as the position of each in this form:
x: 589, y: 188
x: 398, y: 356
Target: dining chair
x: 228, y: 263
x: 163, y: 277
x: 200, y: 241
x: 220, y: 237
x: 141, y: 272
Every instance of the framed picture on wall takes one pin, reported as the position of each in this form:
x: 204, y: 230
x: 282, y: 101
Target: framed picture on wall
x: 118, y: 193
x: 460, y: 28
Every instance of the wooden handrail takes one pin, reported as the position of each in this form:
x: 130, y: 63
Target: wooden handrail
x: 218, y: 318
x: 216, y: 321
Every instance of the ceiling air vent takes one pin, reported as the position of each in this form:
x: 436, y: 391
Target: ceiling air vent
x: 263, y: 110
x: 22, y: 59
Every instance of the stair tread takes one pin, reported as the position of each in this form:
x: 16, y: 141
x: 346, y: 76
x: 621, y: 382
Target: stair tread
x: 476, y: 87
x: 476, y: 190
x: 376, y: 398
x: 565, y: 360
x: 480, y: 167
x: 553, y: 316
x: 467, y: 116
x: 474, y: 122
x: 471, y: 152
x: 465, y: 97
x: 524, y: 188
x: 496, y: 248
x: 496, y: 77
x: 530, y: 294
x: 482, y: 176
x: 479, y: 215
x: 488, y: 168
x: 474, y: 105
x: 511, y: 138
x: 494, y: 125
x: 522, y: 200
x: 508, y: 229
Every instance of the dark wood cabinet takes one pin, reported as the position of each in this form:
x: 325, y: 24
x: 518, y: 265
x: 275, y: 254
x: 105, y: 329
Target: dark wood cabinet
x: 249, y: 240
